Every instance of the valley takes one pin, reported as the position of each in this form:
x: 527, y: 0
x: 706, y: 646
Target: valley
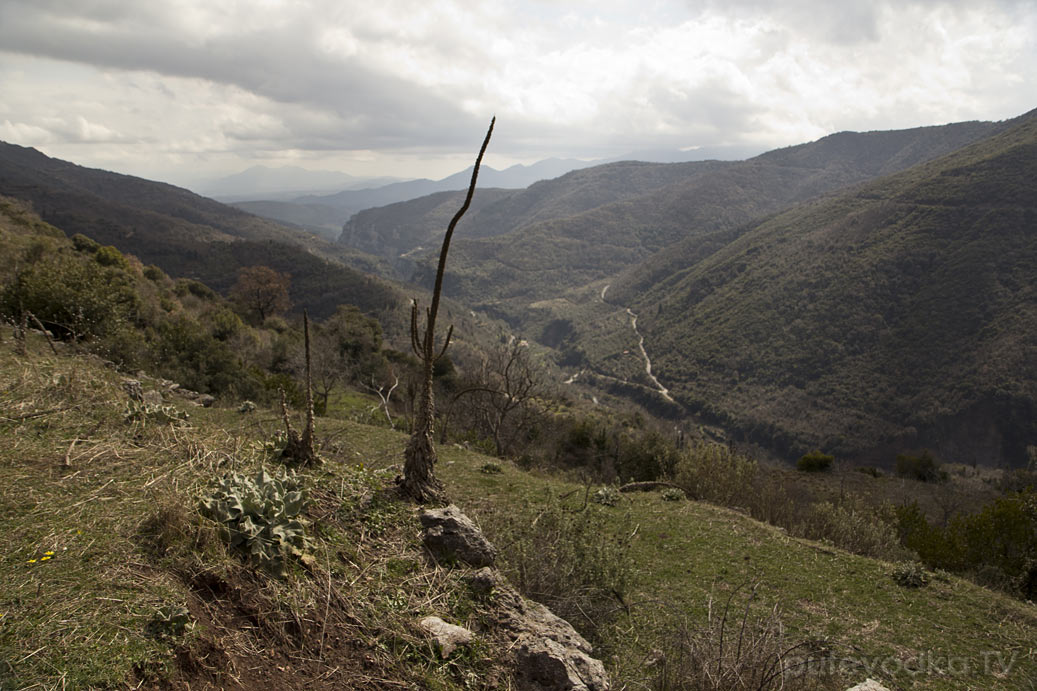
x: 820, y: 362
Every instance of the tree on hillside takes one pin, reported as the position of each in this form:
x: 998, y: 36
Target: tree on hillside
x: 419, y: 480
x: 346, y: 348
x: 261, y: 291
x: 500, y: 400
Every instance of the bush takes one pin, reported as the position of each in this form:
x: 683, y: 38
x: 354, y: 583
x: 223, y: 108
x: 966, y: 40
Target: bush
x: 924, y: 468
x: 673, y: 494
x: 716, y: 474
x: 996, y: 546
x: 742, y: 645
x: 260, y: 517
x: 606, y: 496
x: 815, y: 462
x: 189, y: 286
x: 153, y: 273
x: 576, y: 563
x: 73, y: 297
x: 910, y: 575
x: 110, y: 256
x: 856, y: 527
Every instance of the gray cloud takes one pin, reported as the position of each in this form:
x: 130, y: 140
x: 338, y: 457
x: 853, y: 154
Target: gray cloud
x: 188, y: 83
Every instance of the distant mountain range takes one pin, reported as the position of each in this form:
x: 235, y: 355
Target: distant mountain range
x: 191, y: 236
x: 283, y: 183
x: 325, y: 213
x: 899, y: 315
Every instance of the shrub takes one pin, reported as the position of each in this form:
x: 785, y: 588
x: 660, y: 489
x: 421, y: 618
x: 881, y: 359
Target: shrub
x: 869, y: 470
x: 815, y: 462
x: 138, y: 413
x: 260, y: 517
x: 856, y: 527
x: 110, y: 256
x: 73, y: 297
x: 576, y: 563
x: 673, y: 494
x: 189, y: 286
x: 84, y: 244
x: 606, y: 496
x: 910, y: 575
x: 923, y: 467
x: 716, y: 474
x: 742, y: 645
x: 153, y: 273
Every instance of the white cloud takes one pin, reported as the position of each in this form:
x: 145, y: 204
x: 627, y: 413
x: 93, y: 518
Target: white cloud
x: 202, y: 84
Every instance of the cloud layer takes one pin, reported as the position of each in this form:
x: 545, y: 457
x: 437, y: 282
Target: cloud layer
x: 399, y: 87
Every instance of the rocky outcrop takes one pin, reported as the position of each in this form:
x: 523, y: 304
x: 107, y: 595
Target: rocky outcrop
x: 547, y: 652
x: 451, y: 536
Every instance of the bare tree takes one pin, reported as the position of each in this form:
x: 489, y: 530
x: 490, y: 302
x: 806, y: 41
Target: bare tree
x: 507, y: 386
x: 419, y: 480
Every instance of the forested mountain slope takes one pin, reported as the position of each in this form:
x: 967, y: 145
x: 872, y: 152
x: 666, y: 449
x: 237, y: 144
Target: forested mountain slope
x: 897, y: 316
x: 551, y: 253
x: 189, y: 235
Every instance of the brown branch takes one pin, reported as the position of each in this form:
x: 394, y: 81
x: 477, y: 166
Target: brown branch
x: 46, y: 334
x: 450, y: 232
x: 446, y: 342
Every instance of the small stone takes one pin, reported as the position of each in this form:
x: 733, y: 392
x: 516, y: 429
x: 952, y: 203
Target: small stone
x: 449, y: 637
x: 206, y: 400
x: 134, y: 390
x: 153, y: 398
x: 868, y: 685
x: 484, y: 580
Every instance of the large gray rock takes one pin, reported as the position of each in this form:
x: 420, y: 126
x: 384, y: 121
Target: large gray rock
x: 452, y: 536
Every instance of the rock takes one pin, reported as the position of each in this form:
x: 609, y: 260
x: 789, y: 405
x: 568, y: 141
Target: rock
x: 868, y: 685
x: 448, y: 637
x: 153, y: 398
x: 206, y: 400
x: 549, y: 653
x: 484, y: 580
x: 134, y: 390
x: 450, y: 536
x: 544, y: 663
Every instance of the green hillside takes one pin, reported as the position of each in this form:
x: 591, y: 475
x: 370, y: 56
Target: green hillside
x: 898, y: 316
x: 112, y: 576
x: 604, y: 234
x: 188, y: 235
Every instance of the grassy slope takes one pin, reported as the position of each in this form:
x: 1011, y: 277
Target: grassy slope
x: 896, y: 316
x: 120, y: 522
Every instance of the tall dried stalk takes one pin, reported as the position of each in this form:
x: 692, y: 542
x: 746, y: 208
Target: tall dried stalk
x: 419, y: 480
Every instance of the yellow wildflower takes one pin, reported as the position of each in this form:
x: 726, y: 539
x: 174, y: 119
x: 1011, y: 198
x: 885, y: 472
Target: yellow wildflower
x: 32, y: 561
x: 48, y: 554
x: 44, y: 558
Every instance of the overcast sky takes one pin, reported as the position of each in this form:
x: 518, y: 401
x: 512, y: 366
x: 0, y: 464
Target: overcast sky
x: 181, y: 90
